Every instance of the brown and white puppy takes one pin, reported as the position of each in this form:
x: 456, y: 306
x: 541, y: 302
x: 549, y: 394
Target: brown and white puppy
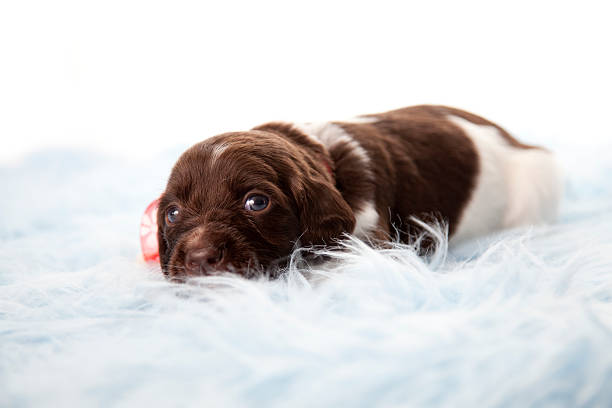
x: 243, y: 201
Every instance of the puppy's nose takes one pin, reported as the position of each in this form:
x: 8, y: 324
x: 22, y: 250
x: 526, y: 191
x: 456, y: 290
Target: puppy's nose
x: 203, y: 260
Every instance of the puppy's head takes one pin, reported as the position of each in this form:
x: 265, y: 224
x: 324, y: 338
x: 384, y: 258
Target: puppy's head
x: 240, y: 202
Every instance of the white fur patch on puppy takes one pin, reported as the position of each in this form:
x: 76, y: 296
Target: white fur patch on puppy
x: 366, y: 220
x: 218, y: 151
x: 534, y: 187
x: 330, y: 135
x: 358, y: 120
x: 514, y: 186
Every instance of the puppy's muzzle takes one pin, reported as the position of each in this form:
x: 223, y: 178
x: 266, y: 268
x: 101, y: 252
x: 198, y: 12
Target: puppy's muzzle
x: 204, y: 261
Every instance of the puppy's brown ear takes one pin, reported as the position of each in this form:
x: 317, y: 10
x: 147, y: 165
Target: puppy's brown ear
x: 324, y: 214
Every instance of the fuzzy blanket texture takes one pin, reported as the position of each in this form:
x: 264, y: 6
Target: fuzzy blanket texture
x: 519, y: 319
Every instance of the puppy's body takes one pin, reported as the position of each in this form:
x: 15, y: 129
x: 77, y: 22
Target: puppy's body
x: 368, y: 176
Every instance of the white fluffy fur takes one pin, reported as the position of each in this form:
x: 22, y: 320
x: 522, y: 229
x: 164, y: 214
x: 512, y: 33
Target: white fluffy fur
x: 514, y: 187
x: 522, y: 318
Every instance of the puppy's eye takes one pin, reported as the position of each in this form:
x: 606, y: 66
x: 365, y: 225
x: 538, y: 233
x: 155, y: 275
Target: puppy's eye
x: 172, y: 214
x: 256, y: 202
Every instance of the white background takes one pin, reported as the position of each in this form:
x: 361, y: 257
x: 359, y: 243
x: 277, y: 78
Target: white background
x: 137, y: 77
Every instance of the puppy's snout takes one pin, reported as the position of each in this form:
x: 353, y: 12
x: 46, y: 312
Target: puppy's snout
x: 203, y: 260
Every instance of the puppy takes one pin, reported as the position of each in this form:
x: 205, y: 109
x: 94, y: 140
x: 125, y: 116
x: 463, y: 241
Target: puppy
x: 242, y: 201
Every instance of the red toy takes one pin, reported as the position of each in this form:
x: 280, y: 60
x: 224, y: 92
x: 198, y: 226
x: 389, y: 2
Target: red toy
x: 148, y: 233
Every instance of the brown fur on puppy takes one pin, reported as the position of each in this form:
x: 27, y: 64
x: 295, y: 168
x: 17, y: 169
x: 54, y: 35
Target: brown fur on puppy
x: 210, y: 183
x: 242, y: 201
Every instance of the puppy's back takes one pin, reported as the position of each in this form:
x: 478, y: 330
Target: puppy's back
x: 469, y: 170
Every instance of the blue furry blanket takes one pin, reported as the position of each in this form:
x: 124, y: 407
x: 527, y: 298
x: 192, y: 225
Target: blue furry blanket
x: 522, y: 318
